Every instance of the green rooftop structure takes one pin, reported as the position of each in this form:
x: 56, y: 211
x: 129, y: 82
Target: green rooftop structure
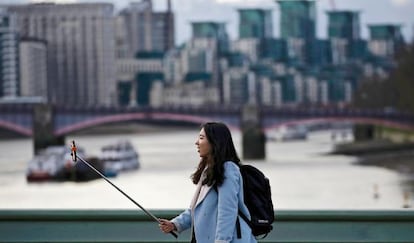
x: 344, y: 35
x: 144, y: 82
x: 298, y: 28
x: 297, y: 19
x: 255, y: 23
x: 344, y: 24
x: 385, y: 32
x: 209, y: 29
x: 385, y: 40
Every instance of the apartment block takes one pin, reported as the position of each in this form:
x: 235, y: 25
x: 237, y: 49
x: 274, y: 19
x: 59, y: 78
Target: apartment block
x: 80, y: 49
x: 9, y: 57
x: 33, y: 68
x: 255, y: 23
x: 144, y: 30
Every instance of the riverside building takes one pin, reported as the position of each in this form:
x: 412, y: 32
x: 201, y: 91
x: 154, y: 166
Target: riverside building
x: 80, y: 49
x: 9, y: 69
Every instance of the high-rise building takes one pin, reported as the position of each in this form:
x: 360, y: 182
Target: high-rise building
x: 207, y: 29
x: 298, y: 28
x: 199, y: 60
x: 143, y: 38
x: 33, y: 68
x: 80, y: 47
x: 385, y: 39
x: 164, y: 29
x: 235, y: 86
x: 211, y: 30
x: 9, y: 78
x: 209, y: 41
x: 344, y: 35
x: 128, y: 69
x: 146, y: 30
x: 344, y: 24
x: 255, y: 23
x: 297, y: 19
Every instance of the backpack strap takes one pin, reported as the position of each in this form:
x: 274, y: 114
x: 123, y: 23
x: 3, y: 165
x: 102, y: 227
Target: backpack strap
x: 244, y: 217
x: 238, y: 229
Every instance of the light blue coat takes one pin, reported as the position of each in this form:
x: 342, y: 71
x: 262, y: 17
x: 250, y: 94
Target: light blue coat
x: 215, y: 213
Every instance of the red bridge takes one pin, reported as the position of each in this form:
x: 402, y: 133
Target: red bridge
x: 21, y: 118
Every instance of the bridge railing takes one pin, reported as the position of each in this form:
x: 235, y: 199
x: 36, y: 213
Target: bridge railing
x: 134, y: 226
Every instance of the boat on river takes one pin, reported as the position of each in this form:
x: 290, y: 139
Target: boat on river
x: 288, y: 133
x: 55, y: 164
x: 119, y: 156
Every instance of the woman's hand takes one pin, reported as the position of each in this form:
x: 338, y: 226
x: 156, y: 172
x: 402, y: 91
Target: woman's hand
x: 166, y: 226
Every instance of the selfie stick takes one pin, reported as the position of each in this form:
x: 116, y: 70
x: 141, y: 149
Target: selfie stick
x: 75, y: 157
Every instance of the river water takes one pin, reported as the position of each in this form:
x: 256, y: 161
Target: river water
x: 302, y: 176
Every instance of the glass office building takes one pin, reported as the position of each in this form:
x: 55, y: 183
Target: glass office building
x: 298, y: 28
x: 297, y: 19
x: 255, y: 23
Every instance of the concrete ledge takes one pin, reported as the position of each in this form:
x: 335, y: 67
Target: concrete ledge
x: 134, y: 226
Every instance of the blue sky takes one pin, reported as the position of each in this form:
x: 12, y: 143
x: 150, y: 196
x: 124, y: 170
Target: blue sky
x: 372, y: 12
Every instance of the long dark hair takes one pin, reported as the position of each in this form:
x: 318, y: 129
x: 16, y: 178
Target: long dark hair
x: 222, y: 149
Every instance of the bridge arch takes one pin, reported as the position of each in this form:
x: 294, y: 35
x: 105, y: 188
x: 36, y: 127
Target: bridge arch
x: 157, y: 116
x: 16, y: 128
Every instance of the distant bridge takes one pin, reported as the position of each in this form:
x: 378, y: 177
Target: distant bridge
x: 66, y: 120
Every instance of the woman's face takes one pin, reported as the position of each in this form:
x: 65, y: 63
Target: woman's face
x: 203, y: 145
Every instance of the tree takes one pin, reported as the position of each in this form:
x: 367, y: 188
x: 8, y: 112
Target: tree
x: 403, y: 80
x: 396, y: 91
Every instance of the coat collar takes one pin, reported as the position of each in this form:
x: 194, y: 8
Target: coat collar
x: 200, y: 193
x: 203, y: 193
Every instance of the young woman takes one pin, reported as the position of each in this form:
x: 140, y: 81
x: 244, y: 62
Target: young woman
x: 213, y: 212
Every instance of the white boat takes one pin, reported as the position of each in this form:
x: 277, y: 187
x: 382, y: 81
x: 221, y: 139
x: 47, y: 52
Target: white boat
x: 119, y: 156
x: 289, y: 132
x: 55, y: 164
x: 46, y: 164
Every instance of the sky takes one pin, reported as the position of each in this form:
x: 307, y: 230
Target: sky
x: 186, y: 11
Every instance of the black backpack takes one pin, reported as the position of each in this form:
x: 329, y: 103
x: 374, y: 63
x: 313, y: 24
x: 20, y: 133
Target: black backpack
x: 258, y: 199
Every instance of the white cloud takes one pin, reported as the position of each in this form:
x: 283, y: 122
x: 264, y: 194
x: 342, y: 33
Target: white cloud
x: 400, y: 3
